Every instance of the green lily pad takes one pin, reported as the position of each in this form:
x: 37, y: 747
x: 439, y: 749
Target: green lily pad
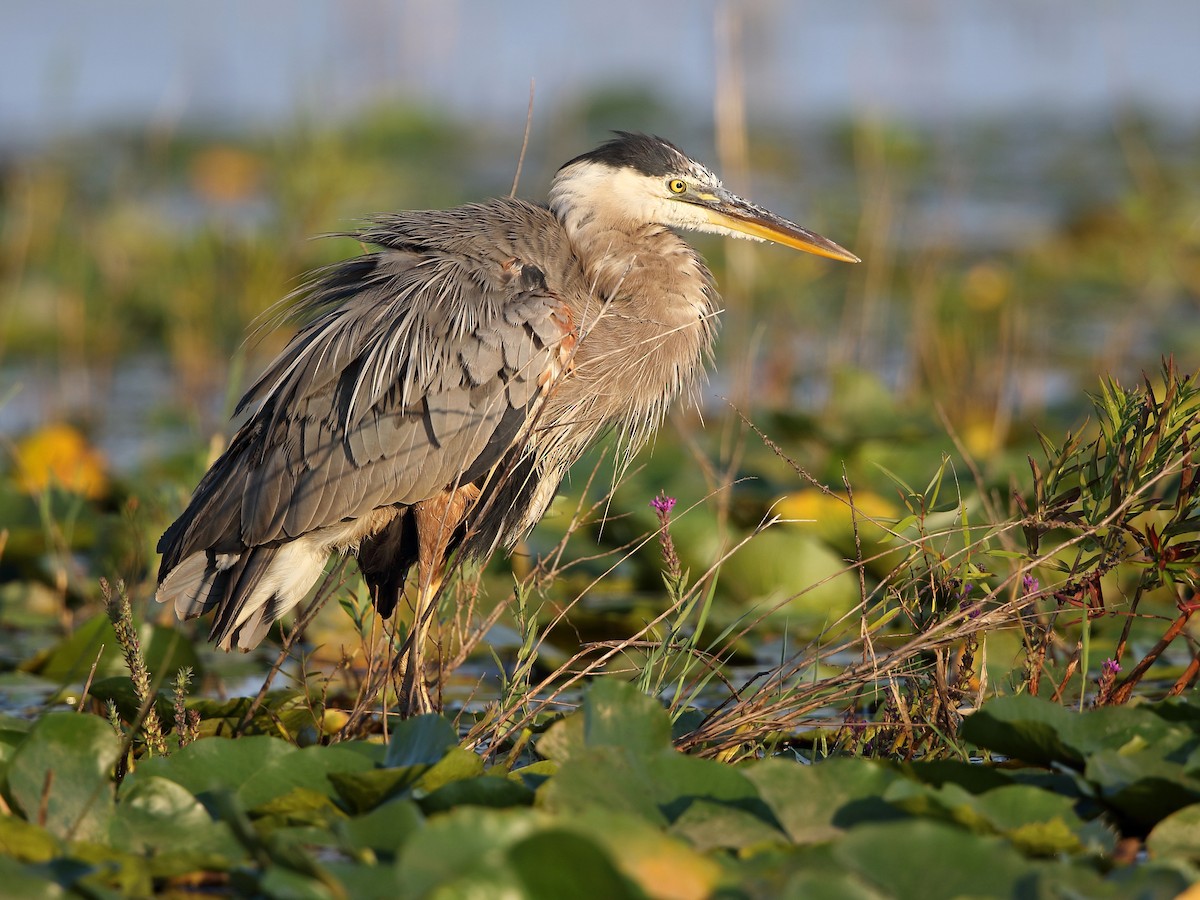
x: 307, y: 768
x: 483, y: 790
x: 1023, y: 727
x: 553, y: 864
x: 1043, y: 733
x: 384, y: 829
x: 1037, y: 822
x: 708, y: 825
x: 617, y: 714
x: 819, y: 802
x: 462, y: 850
x: 932, y: 861
x: 161, y: 816
x: 1144, y: 787
x: 62, y: 774
x: 1178, y: 835
x: 28, y: 882
x: 421, y: 740
x: 25, y: 841
x: 562, y: 738
x: 366, y: 882
x: 218, y: 765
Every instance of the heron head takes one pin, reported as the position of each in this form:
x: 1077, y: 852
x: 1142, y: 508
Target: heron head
x: 637, y: 179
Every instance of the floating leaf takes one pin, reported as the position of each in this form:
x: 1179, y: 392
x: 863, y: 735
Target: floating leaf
x: 64, y: 768
x: 1036, y: 821
x: 932, y: 861
x: 1043, y: 733
x: 661, y: 865
x: 421, y: 740
x: 554, y: 864
x: 562, y: 738
x: 307, y: 768
x: 384, y: 829
x: 462, y: 849
x: 1178, y: 835
x: 217, y: 765
x: 708, y: 825
x: 28, y: 882
x: 1022, y: 727
x: 25, y: 841
x: 819, y: 802
x: 1145, y: 787
x: 483, y: 790
x: 161, y: 816
x: 617, y: 714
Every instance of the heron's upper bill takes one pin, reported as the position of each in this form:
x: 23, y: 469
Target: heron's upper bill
x: 729, y: 213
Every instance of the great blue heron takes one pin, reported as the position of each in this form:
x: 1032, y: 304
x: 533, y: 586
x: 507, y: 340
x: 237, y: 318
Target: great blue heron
x: 443, y: 384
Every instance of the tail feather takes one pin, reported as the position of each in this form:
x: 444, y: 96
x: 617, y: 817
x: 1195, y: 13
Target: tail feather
x: 248, y: 591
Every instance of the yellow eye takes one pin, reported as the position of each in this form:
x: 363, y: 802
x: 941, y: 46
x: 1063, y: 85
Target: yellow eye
x: 676, y: 186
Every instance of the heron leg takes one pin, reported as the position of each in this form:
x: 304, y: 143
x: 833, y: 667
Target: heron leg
x: 437, y: 520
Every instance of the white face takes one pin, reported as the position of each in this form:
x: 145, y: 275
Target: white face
x: 628, y: 197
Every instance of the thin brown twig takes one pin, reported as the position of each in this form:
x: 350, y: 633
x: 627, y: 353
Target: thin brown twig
x: 524, y: 141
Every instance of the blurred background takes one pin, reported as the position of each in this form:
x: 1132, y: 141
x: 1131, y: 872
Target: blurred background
x: 1021, y: 179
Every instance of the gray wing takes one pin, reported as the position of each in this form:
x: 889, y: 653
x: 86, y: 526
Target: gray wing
x: 418, y: 373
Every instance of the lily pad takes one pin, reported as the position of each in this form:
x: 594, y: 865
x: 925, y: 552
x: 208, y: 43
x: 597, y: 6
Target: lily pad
x: 932, y: 861
x: 384, y: 829
x: 61, y: 774
x: 553, y: 864
x: 819, y: 802
x: 1178, y: 835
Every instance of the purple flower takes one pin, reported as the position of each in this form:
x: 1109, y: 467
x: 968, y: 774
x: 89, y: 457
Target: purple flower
x: 662, y: 503
x: 1030, y: 584
x: 1110, y: 667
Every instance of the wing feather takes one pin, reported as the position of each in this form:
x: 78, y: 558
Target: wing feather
x: 418, y: 368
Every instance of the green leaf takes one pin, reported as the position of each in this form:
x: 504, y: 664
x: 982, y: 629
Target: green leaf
x: 1022, y: 727
x: 217, y: 765
x: 1145, y: 787
x: 422, y: 740
x: 973, y: 778
x: 384, y: 829
x: 932, y: 861
x: 307, y: 768
x: 562, y: 738
x: 1178, y: 835
x: 819, y: 802
x: 365, y: 882
x: 484, y: 790
x: 463, y: 849
x: 27, y: 882
x: 554, y: 864
x: 363, y: 791
x: 617, y: 714
x: 708, y: 825
x: 612, y: 778
x: 161, y: 816
x: 1038, y: 822
x: 66, y: 762
x: 25, y: 841
x: 457, y: 764
x: 281, y: 883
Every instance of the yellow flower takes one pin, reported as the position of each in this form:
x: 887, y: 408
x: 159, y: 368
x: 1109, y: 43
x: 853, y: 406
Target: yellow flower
x: 60, y: 455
